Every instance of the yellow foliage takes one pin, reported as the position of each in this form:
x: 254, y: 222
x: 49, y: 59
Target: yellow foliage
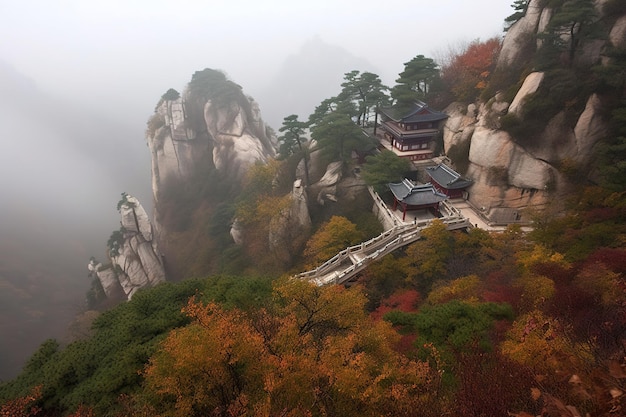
x: 540, y: 254
x: 536, y: 290
x: 601, y: 282
x: 427, y: 257
x: 464, y: 288
x: 313, y: 351
x: 540, y: 342
x: 332, y: 237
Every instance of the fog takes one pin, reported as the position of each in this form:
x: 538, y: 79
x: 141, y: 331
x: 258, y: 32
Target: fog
x: 78, y: 80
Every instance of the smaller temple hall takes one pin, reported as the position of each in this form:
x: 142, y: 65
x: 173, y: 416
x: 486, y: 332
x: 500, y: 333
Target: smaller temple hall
x: 410, y: 196
x: 448, y: 181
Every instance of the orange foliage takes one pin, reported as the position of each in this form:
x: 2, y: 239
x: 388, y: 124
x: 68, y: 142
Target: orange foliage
x: 312, y: 352
x: 468, y: 73
x: 83, y: 411
x: 402, y: 300
x: 23, y: 406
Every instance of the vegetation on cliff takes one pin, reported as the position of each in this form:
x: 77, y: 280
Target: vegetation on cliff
x: 540, y: 313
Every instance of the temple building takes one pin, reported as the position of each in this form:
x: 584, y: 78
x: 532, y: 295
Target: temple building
x: 411, y: 134
x: 410, y: 196
x: 448, y: 181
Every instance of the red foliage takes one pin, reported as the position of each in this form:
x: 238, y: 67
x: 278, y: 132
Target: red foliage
x: 601, y: 214
x: 468, y: 72
x: 614, y: 259
x: 498, y: 289
x: 83, y: 411
x: 403, y: 300
x: 405, y: 345
x: 23, y: 406
x: 491, y: 385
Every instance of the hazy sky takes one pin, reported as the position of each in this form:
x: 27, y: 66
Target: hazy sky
x: 79, y: 79
x: 133, y: 51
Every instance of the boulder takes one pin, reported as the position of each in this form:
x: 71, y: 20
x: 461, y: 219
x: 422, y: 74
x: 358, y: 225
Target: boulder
x: 326, y: 187
x: 617, y: 35
x: 136, y: 263
x: 589, y: 129
x: 531, y: 85
x: 290, y: 228
x: 459, y: 126
x: 230, y: 136
x: 518, y: 34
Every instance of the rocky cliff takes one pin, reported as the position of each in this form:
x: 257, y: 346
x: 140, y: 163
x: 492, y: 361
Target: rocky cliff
x: 202, y: 142
x: 533, y: 167
x: 134, y: 257
x: 212, y: 125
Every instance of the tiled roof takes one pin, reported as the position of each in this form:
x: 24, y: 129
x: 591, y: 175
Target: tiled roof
x: 416, y: 195
x: 419, y: 113
x: 447, y: 177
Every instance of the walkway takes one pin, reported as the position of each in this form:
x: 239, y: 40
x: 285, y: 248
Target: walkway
x: 349, y: 262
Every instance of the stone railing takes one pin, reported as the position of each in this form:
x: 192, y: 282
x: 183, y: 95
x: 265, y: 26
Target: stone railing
x: 379, y: 246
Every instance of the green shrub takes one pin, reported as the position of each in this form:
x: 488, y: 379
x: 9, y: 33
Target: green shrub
x: 614, y: 8
x: 459, y: 154
x: 171, y: 94
x: 498, y: 175
x: 154, y: 123
x: 570, y: 168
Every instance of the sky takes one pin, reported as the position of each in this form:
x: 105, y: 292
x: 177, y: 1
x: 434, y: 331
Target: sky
x: 79, y: 79
x: 133, y: 51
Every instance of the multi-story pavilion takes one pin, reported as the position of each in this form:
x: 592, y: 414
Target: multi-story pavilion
x: 411, y: 134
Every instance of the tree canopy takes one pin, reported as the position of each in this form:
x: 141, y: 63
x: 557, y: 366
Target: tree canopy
x: 366, y: 91
x: 384, y: 168
x: 415, y: 81
x: 337, y: 136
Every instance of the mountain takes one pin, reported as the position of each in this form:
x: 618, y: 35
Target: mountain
x: 307, y: 77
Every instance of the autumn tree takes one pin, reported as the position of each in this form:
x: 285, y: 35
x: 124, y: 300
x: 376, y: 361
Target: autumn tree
x: 313, y: 351
x: 381, y: 279
x: 467, y: 74
x: 543, y: 343
x: 463, y: 289
x: 201, y: 365
x: 23, y: 406
x: 332, y: 237
x: 426, y: 259
x: 260, y: 201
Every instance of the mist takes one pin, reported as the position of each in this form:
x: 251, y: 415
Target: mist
x: 78, y: 81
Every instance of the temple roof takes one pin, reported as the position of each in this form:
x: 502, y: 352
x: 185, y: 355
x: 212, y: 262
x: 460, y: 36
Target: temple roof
x: 420, y: 112
x: 416, y: 195
x: 447, y: 177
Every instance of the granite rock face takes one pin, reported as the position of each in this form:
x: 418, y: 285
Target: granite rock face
x: 290, y: 228
x: 510, y: 175
x: 134, y: 258
x: 231, y: 137
x: 212, y: 132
